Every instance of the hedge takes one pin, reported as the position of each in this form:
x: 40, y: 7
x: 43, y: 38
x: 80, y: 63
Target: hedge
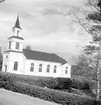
x: 46, y: 93
x: 62, y: 84
x: 54, y: 83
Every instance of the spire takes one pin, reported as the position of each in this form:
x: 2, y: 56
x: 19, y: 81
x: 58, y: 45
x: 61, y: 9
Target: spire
x: 17, y: 24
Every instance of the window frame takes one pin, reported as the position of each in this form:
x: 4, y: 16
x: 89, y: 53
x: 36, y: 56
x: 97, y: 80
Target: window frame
x: 6, y: 57
x: 9, y: 45
x: 32, y: 67
x: 48, y: 68
x: 40, y: 67
x: 18, y: 32
x: 15, y: 66
x: 66, y: 70
x: 17, y: 45
x: 55, y: 69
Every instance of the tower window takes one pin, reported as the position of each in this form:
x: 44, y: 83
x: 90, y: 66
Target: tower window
x: 55, y: 67
x: 17, y: 45
x: 40, y: 68
x: 32, y: 67
x: 15, y: 66
x: 66, y: 70
x: 17, y: 33
x: 6, y: 56
x: 48, y: 68
x: 9, y: 45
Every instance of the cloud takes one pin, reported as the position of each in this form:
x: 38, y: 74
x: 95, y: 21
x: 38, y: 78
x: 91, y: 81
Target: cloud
x: 51, y: 12
x: 47, y: 25
x: 58, y: 42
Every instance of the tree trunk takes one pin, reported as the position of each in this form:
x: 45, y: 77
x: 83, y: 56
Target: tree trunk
x: 98, y: 85
x: 98, y: 73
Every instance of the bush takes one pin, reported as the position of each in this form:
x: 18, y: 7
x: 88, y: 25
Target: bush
x: 19, y: 84
x: 63, y: 83
x: 83, y: 85
x: 49, y: 82
x: 48, y: 94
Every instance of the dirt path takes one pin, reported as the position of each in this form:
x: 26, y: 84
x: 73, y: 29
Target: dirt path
x: 12, y: 98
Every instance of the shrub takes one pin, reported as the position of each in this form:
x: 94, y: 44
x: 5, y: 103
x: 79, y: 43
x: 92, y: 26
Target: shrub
x: 49, y: 94
x: 63, y: 83
x: 9, y: 82
x: 53, y: 83
x: 84, y: 85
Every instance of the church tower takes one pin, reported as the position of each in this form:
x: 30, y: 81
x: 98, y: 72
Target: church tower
x: 13, y: 56
x: 15, y: 42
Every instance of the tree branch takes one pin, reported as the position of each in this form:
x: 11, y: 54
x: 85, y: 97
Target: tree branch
x: 2, y: 1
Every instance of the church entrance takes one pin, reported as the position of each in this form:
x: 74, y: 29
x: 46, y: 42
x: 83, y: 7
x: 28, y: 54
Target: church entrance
x: 5, y: 68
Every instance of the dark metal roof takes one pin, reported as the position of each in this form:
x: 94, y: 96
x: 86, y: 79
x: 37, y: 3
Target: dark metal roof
x: 30, y: 54
x: 17, y: 37
x: 17, y: 24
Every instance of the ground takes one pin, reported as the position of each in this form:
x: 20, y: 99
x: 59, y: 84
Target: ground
x: 12, y: 98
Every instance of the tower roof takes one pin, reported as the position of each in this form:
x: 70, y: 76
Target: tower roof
x: 17, y: 24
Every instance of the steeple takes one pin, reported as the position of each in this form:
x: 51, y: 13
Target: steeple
x: 17, y: 29
x: 15, y: 42
x: 17, y: 24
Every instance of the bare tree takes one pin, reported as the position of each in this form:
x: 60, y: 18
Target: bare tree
x: 84, y: 67
x: 28, y: 47
x: 92, y: 26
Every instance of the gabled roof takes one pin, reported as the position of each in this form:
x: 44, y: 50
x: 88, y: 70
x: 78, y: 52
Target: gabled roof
x: 30, y: 54
x: 17, y: 24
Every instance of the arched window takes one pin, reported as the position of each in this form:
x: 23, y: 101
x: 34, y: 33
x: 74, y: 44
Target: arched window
x: 17, y: 45
x: 17, y: 33
x: 6, y: 56
x: 9, y: 45
x: 66, y: 70
x: 32, y: 67
x: 48, y: 68
x: 40, y: 68
x: 15, y: 65
x: 55, y: 67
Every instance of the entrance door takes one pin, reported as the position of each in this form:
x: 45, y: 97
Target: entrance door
x: 6, y: 68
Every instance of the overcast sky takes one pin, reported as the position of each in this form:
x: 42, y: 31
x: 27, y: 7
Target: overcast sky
x: 47, y: 25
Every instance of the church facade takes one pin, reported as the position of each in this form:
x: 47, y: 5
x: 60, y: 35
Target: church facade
x: 29, y: 62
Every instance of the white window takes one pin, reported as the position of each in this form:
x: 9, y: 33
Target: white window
x: 15, y: 66
x: 32, y: 67
x: 9, y: 45
x: 48, y: 68
x: 55, y: 67
x: 6, y: 56
x: 17, y: 45
x: 17, y: 33
x: 40, y: 68
x: 66, y: 70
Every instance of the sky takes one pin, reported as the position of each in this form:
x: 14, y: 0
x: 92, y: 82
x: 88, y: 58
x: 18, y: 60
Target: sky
x: 47, y: 26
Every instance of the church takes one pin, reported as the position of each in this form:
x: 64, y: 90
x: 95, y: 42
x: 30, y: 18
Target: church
x: 29, y: 62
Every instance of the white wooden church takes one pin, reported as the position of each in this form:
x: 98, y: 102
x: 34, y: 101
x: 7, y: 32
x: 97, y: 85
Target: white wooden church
x: 29, y: 62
